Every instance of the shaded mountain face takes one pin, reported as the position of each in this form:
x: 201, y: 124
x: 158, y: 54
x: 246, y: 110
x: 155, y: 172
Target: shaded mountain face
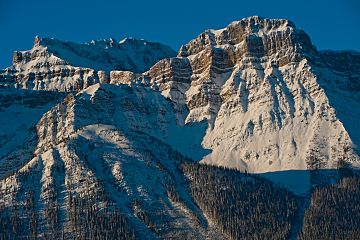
x: 124, y: 138
x: 66, y: 66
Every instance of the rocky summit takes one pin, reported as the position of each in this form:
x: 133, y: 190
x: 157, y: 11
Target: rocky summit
x: 126, y: 138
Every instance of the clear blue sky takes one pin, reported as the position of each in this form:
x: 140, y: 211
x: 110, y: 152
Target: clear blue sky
x: 331, y: 24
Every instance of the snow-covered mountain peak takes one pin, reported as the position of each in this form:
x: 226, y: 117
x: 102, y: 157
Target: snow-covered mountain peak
x: 53, y: 64
x: 272, y: 101
x: 132, y: 54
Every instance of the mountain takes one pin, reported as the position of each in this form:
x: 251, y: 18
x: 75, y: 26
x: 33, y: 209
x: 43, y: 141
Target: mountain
x: 66, y: 66
x: 271, y: 100
x: 93, y: 154
x: 96, y: 147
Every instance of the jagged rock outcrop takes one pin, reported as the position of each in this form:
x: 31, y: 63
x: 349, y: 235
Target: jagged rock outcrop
x: 66, y: 66
x: 122, y: 77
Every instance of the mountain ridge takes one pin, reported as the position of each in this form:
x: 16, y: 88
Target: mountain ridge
x: 67, y: 66
x: 263, y: 77
x: 172, y: 151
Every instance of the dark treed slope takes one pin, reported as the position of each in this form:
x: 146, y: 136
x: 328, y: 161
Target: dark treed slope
x: 243, y: 206
x: 334, y: 212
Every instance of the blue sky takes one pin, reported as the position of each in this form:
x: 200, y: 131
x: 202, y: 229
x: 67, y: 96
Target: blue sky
x: 330, y: 24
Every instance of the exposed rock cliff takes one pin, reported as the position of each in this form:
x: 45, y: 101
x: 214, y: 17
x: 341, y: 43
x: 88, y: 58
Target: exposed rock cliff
x: 265, y: 91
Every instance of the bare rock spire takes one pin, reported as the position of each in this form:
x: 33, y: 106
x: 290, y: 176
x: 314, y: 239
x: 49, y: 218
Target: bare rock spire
x: 37, y: 41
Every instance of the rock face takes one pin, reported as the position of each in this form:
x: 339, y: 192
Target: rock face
x: 66, y: 66
x: 122, y: 77
x: 272, y: 101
